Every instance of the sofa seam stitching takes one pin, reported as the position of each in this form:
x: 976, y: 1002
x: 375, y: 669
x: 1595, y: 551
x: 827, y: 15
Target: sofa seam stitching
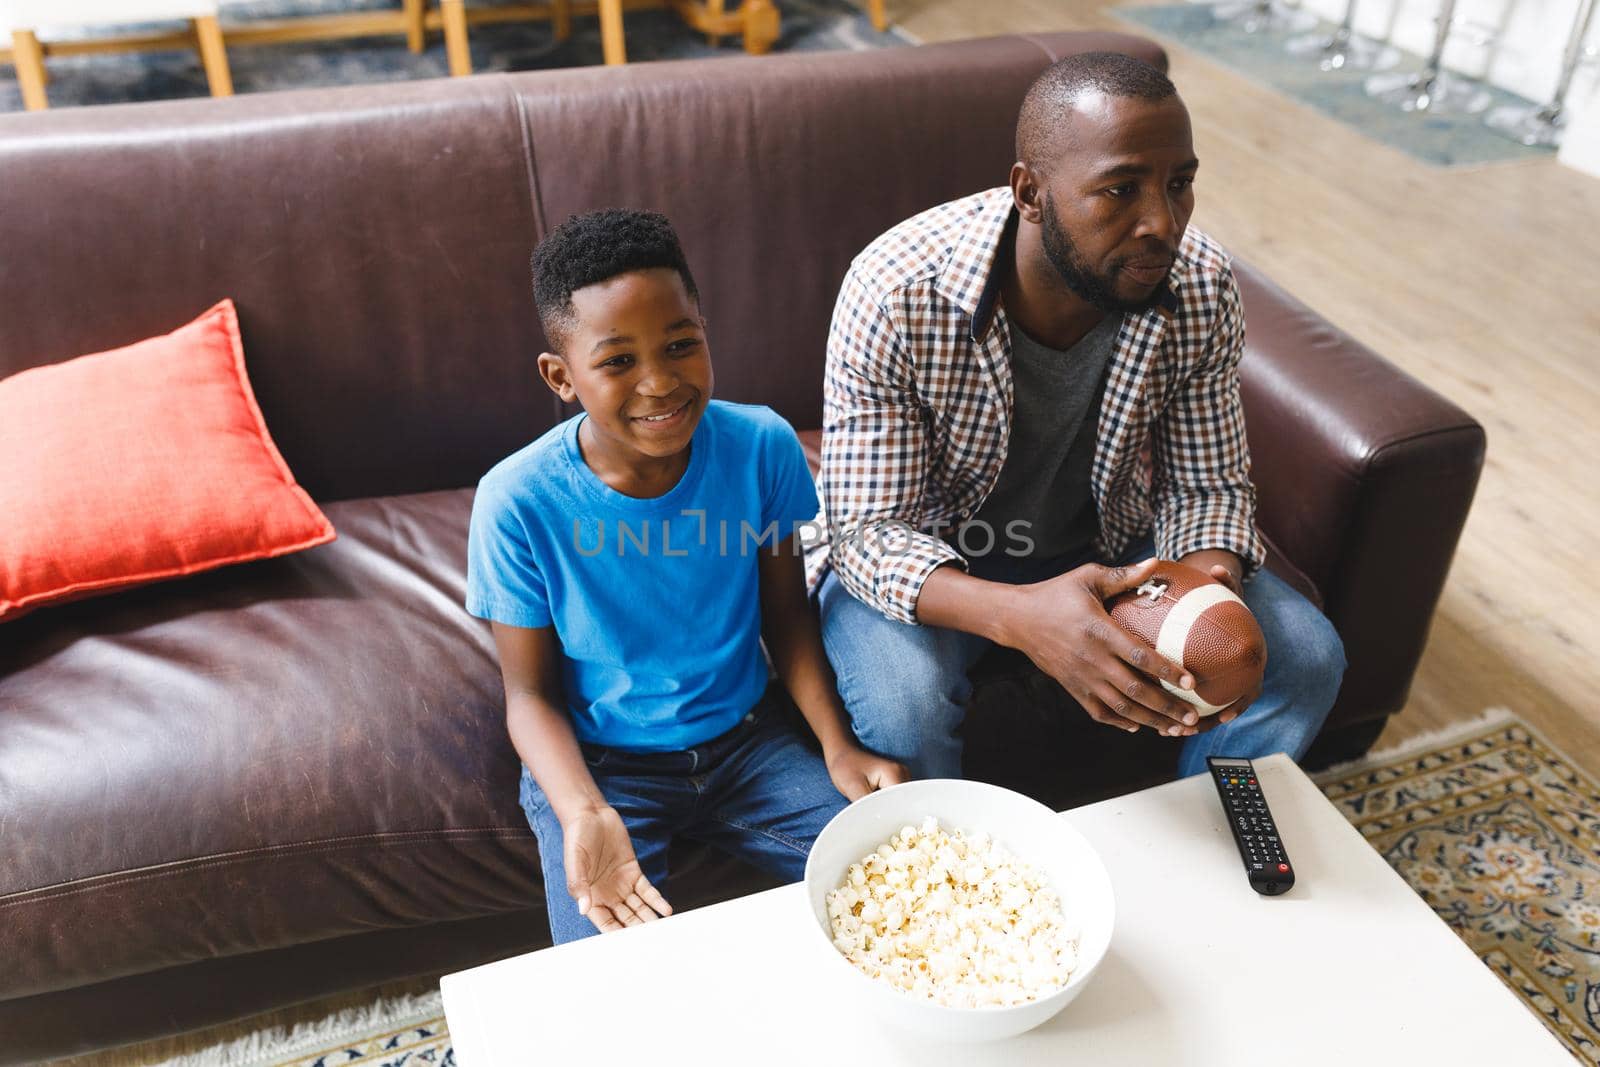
x: 223, y: 859
x: 1049, y: 54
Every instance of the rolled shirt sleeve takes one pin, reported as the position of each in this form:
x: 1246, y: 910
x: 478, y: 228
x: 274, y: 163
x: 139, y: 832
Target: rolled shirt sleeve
x: 1201, y: 491
x: 875, y: 462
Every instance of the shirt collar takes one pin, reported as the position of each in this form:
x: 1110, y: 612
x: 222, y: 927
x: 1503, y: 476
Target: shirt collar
x: 972, y: 281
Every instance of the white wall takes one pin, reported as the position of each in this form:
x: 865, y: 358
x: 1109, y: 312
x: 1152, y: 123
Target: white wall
x: 1581, y: 145
x: 1525, y: 56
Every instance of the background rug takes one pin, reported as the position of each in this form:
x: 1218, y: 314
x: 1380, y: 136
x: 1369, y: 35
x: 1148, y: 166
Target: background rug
x: 402, y: 1032
x: 1442, y: 141
x: 1500, y: 833
x: 808, y: 26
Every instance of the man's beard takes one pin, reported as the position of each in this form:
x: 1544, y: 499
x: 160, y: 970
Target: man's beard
x: 1097, y: 290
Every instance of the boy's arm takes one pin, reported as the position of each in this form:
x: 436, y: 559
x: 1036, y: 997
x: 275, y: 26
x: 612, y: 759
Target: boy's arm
x: 603, y: 874
x: 789, y: 625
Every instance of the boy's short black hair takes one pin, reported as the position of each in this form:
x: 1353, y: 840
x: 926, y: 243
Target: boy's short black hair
x: 589, y: 248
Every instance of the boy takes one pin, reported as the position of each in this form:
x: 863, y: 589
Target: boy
x: 629, y: 561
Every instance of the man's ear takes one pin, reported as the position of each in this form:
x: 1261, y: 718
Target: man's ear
x: 553, y: 369
x: 1027, y: 193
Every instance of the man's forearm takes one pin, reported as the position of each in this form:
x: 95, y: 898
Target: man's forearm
x: 542, y: 735
x: 954, y: 599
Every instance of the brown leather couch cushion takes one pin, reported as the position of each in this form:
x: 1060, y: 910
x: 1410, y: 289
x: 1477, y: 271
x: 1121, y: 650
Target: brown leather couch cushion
x: 325, y: 729
x: 299, y: 749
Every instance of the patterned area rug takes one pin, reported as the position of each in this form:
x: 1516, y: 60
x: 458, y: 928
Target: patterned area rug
x: 1500, y: 833
x: 807, y: 26
x: 1262, y: 57
x: 405, y: 1032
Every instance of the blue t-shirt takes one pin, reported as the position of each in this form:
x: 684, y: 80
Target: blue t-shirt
x: 656, y: 601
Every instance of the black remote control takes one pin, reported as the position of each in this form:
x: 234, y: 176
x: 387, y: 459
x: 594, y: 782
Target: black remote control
x: 1265, y: 861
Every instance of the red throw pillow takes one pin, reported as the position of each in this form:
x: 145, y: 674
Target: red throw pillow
x: 141, y: 463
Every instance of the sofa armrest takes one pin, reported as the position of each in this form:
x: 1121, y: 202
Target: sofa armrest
x: 1365, y: 476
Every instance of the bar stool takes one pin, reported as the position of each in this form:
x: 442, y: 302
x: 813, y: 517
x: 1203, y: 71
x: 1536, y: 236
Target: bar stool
x: 24, y: 17
x: 1431, y: 89
x: 1544, y: 125
x: 1258, y: 16
x: 1344, y: 49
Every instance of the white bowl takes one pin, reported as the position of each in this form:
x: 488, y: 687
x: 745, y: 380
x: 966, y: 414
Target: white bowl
x: 1034, y: 834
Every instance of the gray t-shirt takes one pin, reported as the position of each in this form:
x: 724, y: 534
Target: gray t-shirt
x: 1044, y: 481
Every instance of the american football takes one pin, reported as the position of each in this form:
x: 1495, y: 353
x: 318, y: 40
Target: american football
x: 1193, y: 619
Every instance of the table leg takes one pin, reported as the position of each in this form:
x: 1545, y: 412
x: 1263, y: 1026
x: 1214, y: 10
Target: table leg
x: 416, y: 34
x: 715, y: 9
x: 761, y: 22
x: 214, y: 55
x: 880, y: 18
x: 29, y: 60
x: 561, y: 23
x: 611, y: 39
x: 455, y: 37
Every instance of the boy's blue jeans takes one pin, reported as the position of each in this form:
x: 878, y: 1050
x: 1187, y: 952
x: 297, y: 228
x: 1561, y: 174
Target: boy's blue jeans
x: 757, y: 792
x: 906, y: 687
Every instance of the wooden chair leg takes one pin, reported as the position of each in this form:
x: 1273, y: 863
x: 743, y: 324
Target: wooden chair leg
x: 455, y: 37
x: 214, y: 55
x: 880, y: 18
x: 29, y: 59
x: 611, y: 39
x: 562, y: 22
x: 761, y: 23
x: 715, y: 9
x: 416, y: 35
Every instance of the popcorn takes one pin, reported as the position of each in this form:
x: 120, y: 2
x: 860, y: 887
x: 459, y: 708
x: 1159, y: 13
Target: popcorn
x: 954, y: 919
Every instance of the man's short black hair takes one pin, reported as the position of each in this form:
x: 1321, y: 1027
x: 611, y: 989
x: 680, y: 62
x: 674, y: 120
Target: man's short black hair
x: 1052, y: 95
x: 588, y: 249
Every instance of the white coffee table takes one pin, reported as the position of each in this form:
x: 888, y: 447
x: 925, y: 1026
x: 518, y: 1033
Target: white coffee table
x: 1349, y: 967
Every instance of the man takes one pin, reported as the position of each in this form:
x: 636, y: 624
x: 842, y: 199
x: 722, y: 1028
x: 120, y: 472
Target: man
x: 996, y: 368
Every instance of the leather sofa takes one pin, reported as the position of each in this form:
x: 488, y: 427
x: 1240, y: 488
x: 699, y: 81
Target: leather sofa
x: 267, y: 783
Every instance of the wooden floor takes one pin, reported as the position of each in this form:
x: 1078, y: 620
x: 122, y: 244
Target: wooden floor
x: 1480, y: 282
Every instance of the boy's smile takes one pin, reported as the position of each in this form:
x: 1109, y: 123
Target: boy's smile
x: 668, y: 420
x: 636, y: 358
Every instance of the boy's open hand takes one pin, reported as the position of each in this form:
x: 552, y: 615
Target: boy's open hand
x: 603, y: 874
x: 857, y: 772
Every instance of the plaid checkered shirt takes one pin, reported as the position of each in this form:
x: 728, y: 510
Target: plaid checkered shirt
x: 918, y: 398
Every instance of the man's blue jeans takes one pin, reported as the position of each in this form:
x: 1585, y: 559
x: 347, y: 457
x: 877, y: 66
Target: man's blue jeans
x: 757, y: 792
x: 906, y: 687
